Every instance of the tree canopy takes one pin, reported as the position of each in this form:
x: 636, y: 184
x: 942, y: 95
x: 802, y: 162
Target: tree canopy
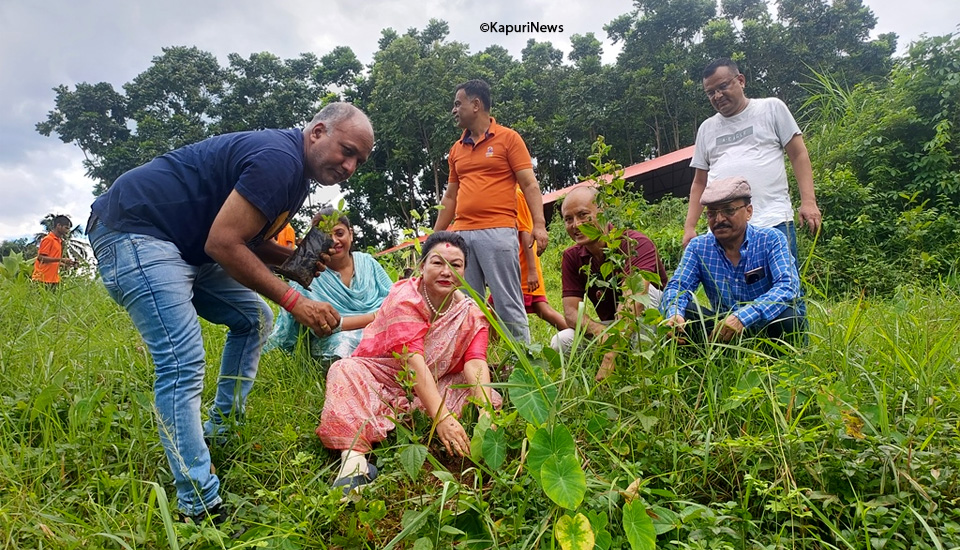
x: 646, y: 103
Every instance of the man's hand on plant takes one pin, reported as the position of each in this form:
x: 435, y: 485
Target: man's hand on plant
x: 320, y: 317
x: 728, y: 329
x: 676, y: 323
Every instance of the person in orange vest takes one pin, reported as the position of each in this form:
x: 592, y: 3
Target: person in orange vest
x: 287, y: 237
x: 46, y: 268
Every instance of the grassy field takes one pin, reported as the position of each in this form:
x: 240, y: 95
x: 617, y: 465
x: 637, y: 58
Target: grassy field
x: 849, y: 443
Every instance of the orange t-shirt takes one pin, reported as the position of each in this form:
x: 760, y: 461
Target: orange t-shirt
x: 287, y: 236
x: 525, y: 223
x: 48, y: 272
x: 486, y: 172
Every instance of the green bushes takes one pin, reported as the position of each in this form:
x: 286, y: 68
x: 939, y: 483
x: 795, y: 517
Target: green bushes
x: 887, y: 164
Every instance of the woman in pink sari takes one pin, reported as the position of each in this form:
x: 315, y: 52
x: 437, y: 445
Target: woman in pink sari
x: 427, y: 326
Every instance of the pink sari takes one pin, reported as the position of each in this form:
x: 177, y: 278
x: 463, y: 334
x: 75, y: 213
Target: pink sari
x: 362, y: 390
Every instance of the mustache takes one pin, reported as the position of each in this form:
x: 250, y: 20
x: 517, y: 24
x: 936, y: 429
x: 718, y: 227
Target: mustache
x: 722, y: 226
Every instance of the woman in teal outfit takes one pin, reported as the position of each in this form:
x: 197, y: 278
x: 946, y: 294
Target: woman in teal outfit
x: 354, y: 283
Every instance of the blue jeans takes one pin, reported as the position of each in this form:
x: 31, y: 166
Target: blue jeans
x: 164, y: 295
x: 789, y: 229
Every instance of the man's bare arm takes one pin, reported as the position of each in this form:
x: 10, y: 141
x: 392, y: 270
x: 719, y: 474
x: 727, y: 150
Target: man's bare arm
x: 237, y: 223
x: 531, y: 193
x: 694, y: 209
x: 449, y: 204
x: 571, y: 308
x: 800, y: 160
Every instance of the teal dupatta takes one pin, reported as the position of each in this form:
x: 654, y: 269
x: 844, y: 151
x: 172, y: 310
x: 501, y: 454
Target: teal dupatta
x: 367, y: 290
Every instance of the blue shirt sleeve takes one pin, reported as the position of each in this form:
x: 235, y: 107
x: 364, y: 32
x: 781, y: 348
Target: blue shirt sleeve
x: 685, y: 280
x: 786, y: 283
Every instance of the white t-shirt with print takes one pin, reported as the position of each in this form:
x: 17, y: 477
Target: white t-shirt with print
x: 750, y: 144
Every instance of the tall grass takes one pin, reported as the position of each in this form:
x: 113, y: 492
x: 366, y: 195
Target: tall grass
x: 850, y: 442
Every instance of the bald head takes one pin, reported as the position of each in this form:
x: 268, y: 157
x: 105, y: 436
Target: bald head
x: 579, y: 208
x: 580, y: 195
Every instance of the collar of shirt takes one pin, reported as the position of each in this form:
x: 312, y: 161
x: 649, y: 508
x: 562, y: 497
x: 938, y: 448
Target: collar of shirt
x: 744, y: 246
x: 467, y: 139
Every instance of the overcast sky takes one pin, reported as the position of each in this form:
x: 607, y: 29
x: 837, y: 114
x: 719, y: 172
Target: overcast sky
x: 45, y: 44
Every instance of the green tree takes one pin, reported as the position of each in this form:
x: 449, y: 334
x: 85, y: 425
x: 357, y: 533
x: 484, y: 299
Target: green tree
x: 408, y: 97
x: 94, y: 118
x: 173, y: 101
x: 264, y: 91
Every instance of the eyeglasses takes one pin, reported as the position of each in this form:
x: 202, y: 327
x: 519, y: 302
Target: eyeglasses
x: 728, y: 212
x: 721, y: 88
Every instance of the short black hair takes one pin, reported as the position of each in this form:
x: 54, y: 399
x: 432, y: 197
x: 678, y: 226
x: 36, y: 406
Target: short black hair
x: 476, y: 88
x: 62, y: 220
x: 448, y: 237
x: 717, y: 63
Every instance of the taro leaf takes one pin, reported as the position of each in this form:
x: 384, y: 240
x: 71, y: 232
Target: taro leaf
x: 564, y: 482
x: 638, y: 526
x: 545, y: 444
x: 532, y: 394
x: 598, y: 521
x: 412, y: 457
x: 494, y: 448
x: 574, y: 533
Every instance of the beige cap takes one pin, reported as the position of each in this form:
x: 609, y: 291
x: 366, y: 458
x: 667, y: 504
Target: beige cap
x: 725, y: 190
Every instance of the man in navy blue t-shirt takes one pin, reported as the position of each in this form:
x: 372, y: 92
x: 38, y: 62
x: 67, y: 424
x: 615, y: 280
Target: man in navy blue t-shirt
x: 189, y: 234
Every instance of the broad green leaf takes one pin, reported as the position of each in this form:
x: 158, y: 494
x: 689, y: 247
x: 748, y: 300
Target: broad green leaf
x: 546, y: 443
x: 638, y: 526
x: 598, y: 522
x: 666, y: 520
x: 444, y: 476
x: 564, y: 481
x: 494, y: 449
x: 412, y: 458
x: 647, y: 422
x: 574, y: 533
x: 451, y: 530
x: 606, y: 269
x: 479, y: 431
x: 532, y: 394
x: 423, y: 543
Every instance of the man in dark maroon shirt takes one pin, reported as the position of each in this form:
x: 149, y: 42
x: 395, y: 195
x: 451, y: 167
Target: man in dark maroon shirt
x: 582, y: 262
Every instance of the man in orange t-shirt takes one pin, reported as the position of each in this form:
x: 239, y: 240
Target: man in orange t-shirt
x: 486, y: 165
x: 46, y: 268
x: 287, y: 237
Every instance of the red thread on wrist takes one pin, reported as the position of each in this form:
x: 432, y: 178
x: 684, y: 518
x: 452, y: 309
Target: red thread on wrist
x: 286, y: 298
x: 293, y: 302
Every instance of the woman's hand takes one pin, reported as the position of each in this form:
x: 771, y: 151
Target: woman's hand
x: 453, y: 436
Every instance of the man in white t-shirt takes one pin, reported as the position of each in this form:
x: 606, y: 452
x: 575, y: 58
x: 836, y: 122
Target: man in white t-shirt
x: 747, y: 138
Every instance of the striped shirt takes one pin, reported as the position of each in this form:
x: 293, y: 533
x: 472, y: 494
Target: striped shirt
x: 765, y: 255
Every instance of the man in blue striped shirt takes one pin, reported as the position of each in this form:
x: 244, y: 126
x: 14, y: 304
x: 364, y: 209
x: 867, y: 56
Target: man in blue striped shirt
x: 747, y: 273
